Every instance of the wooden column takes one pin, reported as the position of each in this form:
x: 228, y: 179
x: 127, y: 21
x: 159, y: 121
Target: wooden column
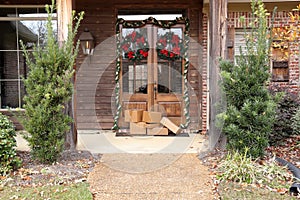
x: 64, y: 16
x: 217, y: 49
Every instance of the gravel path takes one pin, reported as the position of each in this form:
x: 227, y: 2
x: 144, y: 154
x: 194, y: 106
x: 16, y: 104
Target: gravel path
x: 150, y: 176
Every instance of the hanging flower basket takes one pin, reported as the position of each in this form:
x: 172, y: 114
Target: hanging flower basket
x: 169, y: 46
x: 135, y: 46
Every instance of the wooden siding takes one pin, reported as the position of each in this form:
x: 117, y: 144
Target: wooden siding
x: 95, y: 104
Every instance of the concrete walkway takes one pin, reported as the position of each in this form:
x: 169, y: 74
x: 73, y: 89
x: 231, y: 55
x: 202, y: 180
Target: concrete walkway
x: 150, y: 176
x: 145, y: 167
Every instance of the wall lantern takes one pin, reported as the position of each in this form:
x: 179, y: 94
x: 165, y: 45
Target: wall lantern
x: 87, y: 42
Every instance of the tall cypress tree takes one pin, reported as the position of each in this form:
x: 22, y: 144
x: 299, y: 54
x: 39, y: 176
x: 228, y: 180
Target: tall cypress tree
x: 48, y: 89
x: 250, y: 113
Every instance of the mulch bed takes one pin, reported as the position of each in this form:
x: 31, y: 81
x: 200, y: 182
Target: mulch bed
x: 72, y: 167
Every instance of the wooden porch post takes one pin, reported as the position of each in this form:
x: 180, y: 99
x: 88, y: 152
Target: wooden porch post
x: 64, y: 15
x: 217, y: 49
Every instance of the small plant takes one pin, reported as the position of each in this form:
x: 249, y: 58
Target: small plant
x: 242, y: 168
x: 238, y: 167
x: 48, y: 89
x: 8, y: 157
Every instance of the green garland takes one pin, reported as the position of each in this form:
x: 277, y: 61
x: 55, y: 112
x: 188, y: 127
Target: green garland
x: 184, y: 54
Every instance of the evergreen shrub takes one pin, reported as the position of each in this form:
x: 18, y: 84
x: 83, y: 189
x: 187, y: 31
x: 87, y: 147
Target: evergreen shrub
x: 48, y: 89
x: 250, y: 114
x: 8, y: 156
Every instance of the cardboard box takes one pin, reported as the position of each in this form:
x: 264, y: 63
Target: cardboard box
x: 152, y: 125
x: 151, y: 117
x: 138, y: 128
x: 170, y: 125
x: 133, y: 115
x: 157, y: 131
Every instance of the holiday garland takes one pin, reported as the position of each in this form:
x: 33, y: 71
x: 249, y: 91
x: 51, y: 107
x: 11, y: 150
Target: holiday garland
x: 169, y: 46
x: 183, y: 51
x: 135, y: 46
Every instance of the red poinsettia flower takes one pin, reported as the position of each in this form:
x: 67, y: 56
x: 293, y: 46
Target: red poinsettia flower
x: 125, y: 47
x: 164, y: 52
x: 163, y: 41
x: 140, y: 40
x: 175, y: 39
x: 172, y: 55
x: 176, y: 50
x: 130, y: 54
x: 143, y: 53
x: 133, y: 34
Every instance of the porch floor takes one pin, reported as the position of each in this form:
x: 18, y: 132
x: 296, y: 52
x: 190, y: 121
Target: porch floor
x: 103, y: 142
x: 106, y: 142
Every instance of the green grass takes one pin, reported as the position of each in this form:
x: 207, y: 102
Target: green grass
x: 79, y: 191
x: 229, y: 191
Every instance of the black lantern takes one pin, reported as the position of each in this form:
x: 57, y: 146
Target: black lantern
x: 87, y: 42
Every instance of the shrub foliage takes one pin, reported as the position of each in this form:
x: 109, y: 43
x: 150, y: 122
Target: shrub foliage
x: 285, y: 121
x: 8, y: 157
x: 296, y: 122
x: 49, y: 88
x: 250, y: 113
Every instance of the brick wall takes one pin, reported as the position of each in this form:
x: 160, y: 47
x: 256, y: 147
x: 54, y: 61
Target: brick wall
x: 204, y: 73
x: 281, y: 19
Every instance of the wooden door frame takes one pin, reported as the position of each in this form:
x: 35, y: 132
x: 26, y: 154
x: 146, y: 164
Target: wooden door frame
x: 118, y: 75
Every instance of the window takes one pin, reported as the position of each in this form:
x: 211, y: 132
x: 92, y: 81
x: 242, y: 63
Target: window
x: 280, y: 55
x: 240, y: 46
x: 26, y: 23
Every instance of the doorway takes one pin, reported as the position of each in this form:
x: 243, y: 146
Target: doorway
x: 152, y: 68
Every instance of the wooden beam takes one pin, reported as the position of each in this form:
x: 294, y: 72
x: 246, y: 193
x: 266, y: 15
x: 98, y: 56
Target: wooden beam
x: 217, y: 50
x: 64, y: 16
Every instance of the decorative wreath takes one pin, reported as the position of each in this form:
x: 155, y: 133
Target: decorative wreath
x: 135, y: 46
x: 169, y: 46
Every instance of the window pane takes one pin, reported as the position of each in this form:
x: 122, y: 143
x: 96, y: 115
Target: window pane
x: 169, y: 44
x: 134, y: 78
x: 8, y: 35
x: 141, y: 78
x: 9, y: 94
x: 5, y: 12
x: 28, y: 32
x: 134, y: 44
x: 176, y: 77
x: 9, y: 65
x: 170, y: 77
x: 35, y: 31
